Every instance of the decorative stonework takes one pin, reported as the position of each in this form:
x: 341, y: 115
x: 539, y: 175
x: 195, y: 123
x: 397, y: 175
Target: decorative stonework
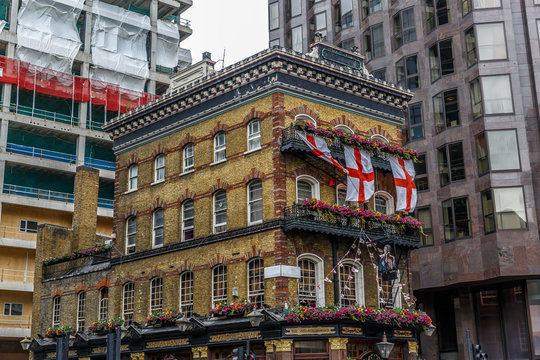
x: 200, y: 352
x: 283, y: 345
x: 338, y: 343
x: 137, y: 356
x: 167, y: 343
x: 413, y: 347
x: 269, y: 346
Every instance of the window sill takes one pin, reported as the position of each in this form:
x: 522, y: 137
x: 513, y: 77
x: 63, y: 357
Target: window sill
x: 157, y: 182
x: 255, y: 223
x: 218, y: 162
x: 157, y: 246
x: 130, y: 191
x: 187, y: 172
x: 252, y: 151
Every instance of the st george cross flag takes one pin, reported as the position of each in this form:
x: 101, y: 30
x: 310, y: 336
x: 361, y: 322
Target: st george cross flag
x: 403, y: 171
x: 319, y: 148
x: 360, y: 177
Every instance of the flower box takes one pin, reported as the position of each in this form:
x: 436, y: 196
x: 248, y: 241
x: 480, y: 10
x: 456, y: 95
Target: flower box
x: 58, y: 331
x: 105, y: 326
x: 163, y: 319
x: 238, y: 309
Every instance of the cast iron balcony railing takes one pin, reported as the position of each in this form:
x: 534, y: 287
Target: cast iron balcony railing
x: 297, y: 217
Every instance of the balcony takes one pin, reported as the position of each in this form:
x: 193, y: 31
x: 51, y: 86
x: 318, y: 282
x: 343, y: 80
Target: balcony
x: 41, y: 153
x: 99, y: 164
x: 16, y: 280
x: 297, y: 217
x: 15, y: 326
x: 44, y: 114
x: 13, y: 237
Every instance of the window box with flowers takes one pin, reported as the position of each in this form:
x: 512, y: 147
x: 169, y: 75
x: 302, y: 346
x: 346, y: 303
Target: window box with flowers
x: 160, y: 318
x: 105, y: 326
x: 58, y: 331
x: 222, y: 310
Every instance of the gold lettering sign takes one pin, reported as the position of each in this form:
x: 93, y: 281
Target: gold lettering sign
x: 167, y: 343
x: 99, y: 350
x: 352, y: 331
x: 403, y: 333
x: 72, y: 353
x: 51, y: 355
x: 124, y: 347
x: 319, y: 330
x: 236, y: 336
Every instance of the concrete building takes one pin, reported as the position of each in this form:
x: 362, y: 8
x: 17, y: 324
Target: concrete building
x: 65, y: 69
x: 219, y: 200
x: 474, y: 115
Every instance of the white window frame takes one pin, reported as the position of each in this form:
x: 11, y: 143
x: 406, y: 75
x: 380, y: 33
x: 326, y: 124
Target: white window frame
x: 252, y: 202
x: 131, y: 234
x: 23, y: 226
x: 188, y: 159
x: 304, y: 117
x: 154, y: 228
x: 223, y: 298
x: 249, y: 278
x: 56, y: 310
x: 159, y: 169
x: 219, y: 148
x: 315, y: 191
x: 133, y: 176
x: 158, y: 292
x: 338, y: 188
x: 253, y: 136
x: 358, y: 281
x: 11, y: 309
x: 217, y: 227
x: 188, y: 303
x: 81, y: 310
x: 184, y: 219
x: 319, y: 277
x: 103, y: 311
x: 131, y: 302
x: 380, y: 138
x: 390, y: 206
x: 344, y: 129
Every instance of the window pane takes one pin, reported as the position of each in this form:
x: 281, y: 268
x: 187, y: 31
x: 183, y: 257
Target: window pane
x: 307, y: 286
x: 424, y: 215
x: 421, y: 179
x: 434, y: 63
x: 487, y: 209
x: 297, y: 39
x: 309, y: 347
x: 412, y: 72
x: 447, y: 57
x: 451, y: 108
x: 481, y: 154
x: 503, y: 150
x: 476, y: 98
x: 457, y: 162
x: 461, y: 213
x: 444, y: 171
x: 448, y: 220
x: 16, y: 309
x: 273, y: 10
x: 497, y: 94
x: 470, y: 44
x: 491, y: 41
x: 296, y: 7
x: 304, y: 190
x: 510, y: 208
x: 378, y: 41
x: 480, y: 4
x: 415, y: 122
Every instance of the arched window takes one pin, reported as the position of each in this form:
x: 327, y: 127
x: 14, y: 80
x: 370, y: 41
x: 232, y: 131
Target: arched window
x: 255, y: 269
x: 131, y: 234
x: 255, y: 208
x: 81, y: 310
x: 380, y: 138
x: 186, y: 293
x: 220, y: 147
x: 157, y: 233
x: 220, y: 211
x: 219, y: 284
x: 384, y: 202
x: 351, y: 284
x: 56, y: 311
x: 159, y: 168
x: 311, y: 283
x: 341, y: 194
x: 189, y: 157
x: 304, y: 117
x: 344, y: 129
x: 133, y: 174
x: 156, y: 294
x: 127, y: 302
x: 103, y: 303
x: 254, y: 134
x: 188, y: 216
x: 307, y: 188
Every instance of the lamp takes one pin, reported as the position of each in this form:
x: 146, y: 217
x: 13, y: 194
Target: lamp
x: 430, y: 330
x: 184, y: 324
x: 385, y: 347
x: 25, y: 343
x: 255, y: 317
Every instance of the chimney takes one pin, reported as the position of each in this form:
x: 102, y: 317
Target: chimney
x: 207, y: 56
x: 85, y: 207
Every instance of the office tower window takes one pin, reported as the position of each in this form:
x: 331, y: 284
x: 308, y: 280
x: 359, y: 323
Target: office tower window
x: 188, y: 220
x: 317, y: 23
x: 496, y: 95
x: 81, y: 310
x: 407, y: 72
x: 485, y: 42
x: 186, y: 293
x: 424, y: 215
x: 189, y: 157
x: 127, y: 302
x: 343, y: 15
x: 470, y: 46
x: 379, y: 74
x: 273, y: 43
x: 133, y: 173
x: 347, y: 44
x: 103, y: 304
x: 421, y: 178
x: 456, y: 219
x: 220, y: 147
x: 441, y: 59
x: 157, y: 233
x: 497, y: 151
x: 159, y: 168
x: 370, y: 7
x: 505, y: 208
x: 416, y: 125
x: 451, y: 163
x: 294, y: 39
x: 219, y: 284
x: 254, y: 134
x: 476, y: 99
x: 273, y: 15
x: 487, y: 211
x: 437, y: 14
x: 131, y: 234
x: 446, y: 109
x: 468, y: 5
x: 220, y: 211
x: 374, y: 42
x: 255, y: 269
x: 255, y: 198
x: 156, y: 294
x: 292, y: 8
x: 404, y: 27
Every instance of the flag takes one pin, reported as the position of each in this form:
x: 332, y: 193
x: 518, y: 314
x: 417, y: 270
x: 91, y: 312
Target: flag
x: 360, y: 177
x: 319, y: 147
x: 403, y: 172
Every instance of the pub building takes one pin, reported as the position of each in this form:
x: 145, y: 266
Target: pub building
x: 232, y: 237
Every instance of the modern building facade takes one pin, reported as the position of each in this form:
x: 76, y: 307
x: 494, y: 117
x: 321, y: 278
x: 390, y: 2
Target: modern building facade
x: 474, y: 116
x: 66, y: 67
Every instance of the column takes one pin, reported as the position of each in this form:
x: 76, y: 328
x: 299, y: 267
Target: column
x: 200, y: 353
x: 6, y: 93
x: 338, y: 348
x: 153, y: 43
x: 81, y: 146
x: 269, y: 350
x: 284, y: 349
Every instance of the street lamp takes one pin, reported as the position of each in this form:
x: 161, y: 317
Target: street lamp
x: 430, y: 330
x: 184, y: 324
x: 255, y: 317
x: 385, y: 347
x: 25, y: 343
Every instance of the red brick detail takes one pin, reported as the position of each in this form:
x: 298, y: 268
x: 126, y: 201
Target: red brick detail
x: 187, y: 139
x: 160, y: 150
x: 103, y: 283
x: 158, y: 203
x: 128, y: 278
x: 254, y: 252
x: 252, y: 115
x: 218, y: 259
x: 187, y: 195
x: 218, y: 128
x: 57, y: 292
x: 310, y: 249
x: 344, y: 121
x: 218, y: 185
x: 186, y: 266
x: 304, y: 110
x: 81, y: 287
x: 306, y: 171
x: 155, y: 273
x: 377, y: 130
x: 130, y: 211
x: 132, y: 160
x: 254, y: 174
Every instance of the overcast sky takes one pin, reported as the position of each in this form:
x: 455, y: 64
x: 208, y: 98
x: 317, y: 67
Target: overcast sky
x: 238, y: 26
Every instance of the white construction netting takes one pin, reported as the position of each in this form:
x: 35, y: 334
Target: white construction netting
x: 168, y: 43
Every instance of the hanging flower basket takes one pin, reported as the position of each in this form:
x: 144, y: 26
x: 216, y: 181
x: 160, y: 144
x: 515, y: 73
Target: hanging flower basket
x: 160, y: 318
x: 105, y: 326
x: 58, y: 331
x: 237, y: 309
